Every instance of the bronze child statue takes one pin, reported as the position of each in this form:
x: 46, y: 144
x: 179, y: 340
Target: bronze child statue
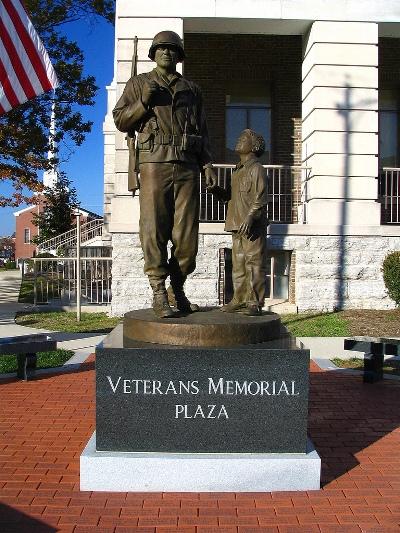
x: 247, y: 220
x: 166, y: 110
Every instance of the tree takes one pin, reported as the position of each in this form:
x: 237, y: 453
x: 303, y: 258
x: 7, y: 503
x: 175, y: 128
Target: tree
x: 7, y: 247
x: 58, y: 205
x: 24, y: 131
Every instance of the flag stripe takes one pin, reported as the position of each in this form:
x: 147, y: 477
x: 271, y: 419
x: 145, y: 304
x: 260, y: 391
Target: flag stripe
x: 21, y: 54
x: 25, y: 67
x: 12, y: 77
x: 26, y: 40
x: 7, y: 86
x: 14, y: 63
x: 39, y: 47
x: 5, y: 104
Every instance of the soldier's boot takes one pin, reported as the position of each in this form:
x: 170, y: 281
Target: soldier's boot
x: 253, y: 309
x: 234, y: 306
x: 177, y: 297
x: 161, y: 306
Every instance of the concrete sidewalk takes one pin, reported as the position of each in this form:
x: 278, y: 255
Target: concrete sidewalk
x: 322, y: 348
x: 83, y: 344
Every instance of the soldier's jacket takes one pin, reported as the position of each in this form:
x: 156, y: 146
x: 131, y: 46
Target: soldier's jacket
x: 173, y: 128
x: 247, y: 195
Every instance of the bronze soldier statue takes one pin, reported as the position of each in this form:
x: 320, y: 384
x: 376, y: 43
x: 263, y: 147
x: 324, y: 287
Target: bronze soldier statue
x: 166, y: 111
x: 247, y: 220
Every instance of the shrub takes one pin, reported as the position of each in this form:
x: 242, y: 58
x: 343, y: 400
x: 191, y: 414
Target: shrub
x: 10, y: 265
x: 44, y: 254
x: 391, y: 276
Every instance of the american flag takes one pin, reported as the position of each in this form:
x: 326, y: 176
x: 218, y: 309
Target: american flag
x: 25, y: 67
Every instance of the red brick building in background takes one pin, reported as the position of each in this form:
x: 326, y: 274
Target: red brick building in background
x: 25, y: 230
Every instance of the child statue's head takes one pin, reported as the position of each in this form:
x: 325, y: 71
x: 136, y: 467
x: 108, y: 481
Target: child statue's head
x: 250, y: 141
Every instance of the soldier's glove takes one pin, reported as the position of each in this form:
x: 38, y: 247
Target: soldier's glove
x: 211, y: 177
x: 149, y: 90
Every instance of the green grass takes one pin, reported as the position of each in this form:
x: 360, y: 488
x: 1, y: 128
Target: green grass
x: 66, y: 321
x: 317, y: 325
x: 358, y: 364
x: 301, y: 325
x: 26, y: 291
x: 8, y: 363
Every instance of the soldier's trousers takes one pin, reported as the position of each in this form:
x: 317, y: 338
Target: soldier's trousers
x: 169, y: 211
x: 249, y: 256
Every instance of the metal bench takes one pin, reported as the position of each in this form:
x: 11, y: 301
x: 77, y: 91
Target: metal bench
x: 25, y: 347
x: 375, y: 349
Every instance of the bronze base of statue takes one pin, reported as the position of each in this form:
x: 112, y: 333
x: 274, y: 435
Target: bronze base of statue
x: 208, y: 327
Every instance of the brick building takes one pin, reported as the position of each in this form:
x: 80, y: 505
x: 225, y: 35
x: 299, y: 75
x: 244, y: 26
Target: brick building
x: 321, y: 82
x: 25, y: 230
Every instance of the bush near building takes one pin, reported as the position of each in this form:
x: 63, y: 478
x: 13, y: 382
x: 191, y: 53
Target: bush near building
x: 391, y: 276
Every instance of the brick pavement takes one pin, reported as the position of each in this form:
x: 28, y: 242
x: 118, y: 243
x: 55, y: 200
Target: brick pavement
x: 45, y: 424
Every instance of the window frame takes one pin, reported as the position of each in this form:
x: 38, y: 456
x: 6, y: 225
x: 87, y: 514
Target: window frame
x: 29, y: 236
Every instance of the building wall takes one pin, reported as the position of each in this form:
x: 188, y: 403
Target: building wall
x: 389, y: 62
x: 332, y: 271
x: 215, y: 61
x: 22, y: 221
x: 337, y: 266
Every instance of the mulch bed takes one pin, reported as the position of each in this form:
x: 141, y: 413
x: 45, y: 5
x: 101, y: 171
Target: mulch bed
x: 373, y: 323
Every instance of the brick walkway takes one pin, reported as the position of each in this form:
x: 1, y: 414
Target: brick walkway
x: 45, y: 424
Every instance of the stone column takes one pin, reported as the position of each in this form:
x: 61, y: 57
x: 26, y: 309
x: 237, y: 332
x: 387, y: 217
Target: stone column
x: 109, y: 161
x: 340, y: 123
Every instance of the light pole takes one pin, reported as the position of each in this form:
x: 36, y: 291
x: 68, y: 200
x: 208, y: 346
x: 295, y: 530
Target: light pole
x: 77, y: 214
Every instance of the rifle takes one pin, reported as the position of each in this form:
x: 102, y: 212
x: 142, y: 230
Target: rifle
x: 133, y: 164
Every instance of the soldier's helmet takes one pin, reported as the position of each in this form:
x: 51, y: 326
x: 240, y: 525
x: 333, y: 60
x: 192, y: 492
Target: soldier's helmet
x: 167, y: 37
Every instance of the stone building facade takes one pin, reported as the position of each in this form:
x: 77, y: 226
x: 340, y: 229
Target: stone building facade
x: 326, y: 76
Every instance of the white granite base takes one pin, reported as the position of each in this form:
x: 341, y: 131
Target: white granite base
x: 186, y: 472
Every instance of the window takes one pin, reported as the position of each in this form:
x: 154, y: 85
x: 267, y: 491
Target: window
x: 248, y: 105
x: 278, y: 268
x: 27, y: 235
x: 277, y: 275
x: 389, y: 128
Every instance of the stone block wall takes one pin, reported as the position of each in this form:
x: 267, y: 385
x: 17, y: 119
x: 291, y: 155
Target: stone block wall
x: 334, y: 272
x: 331, y: 272
x: 130, y: 287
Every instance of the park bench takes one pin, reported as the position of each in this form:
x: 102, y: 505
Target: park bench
x: 25, y: 347
x: 375, y: 349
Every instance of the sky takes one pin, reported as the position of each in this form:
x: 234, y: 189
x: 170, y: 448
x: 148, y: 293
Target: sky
x: 85, y: 166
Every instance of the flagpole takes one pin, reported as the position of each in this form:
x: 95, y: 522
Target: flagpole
x: 50, y: 176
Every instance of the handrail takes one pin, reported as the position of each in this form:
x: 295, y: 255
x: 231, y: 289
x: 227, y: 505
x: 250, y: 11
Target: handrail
x: 389, y: 195
x: 286, y: 188
x: 89, y: 230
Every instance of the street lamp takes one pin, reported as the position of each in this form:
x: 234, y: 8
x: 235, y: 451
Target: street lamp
x: 77, y: 214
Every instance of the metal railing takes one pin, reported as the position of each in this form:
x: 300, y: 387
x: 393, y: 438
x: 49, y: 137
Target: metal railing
x: 389, y: 195
x: 285, y: 193
x: 53, y: 280
x: 89, y: 230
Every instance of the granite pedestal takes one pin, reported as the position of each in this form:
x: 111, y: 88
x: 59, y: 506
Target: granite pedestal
x: 184, y: 418
x: 200, y: 472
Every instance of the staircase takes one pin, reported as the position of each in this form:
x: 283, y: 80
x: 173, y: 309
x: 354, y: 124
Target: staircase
x: 89, y: 231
